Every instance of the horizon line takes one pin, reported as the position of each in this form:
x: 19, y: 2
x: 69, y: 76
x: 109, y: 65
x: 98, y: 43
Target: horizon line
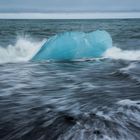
x: 71, y: 15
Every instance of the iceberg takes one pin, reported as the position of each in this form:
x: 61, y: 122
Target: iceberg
x: 74, y: 45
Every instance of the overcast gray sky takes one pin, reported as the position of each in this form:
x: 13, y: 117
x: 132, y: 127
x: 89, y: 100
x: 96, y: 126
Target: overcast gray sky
x: 68, y: 5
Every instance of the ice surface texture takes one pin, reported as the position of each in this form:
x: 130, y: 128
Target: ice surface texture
x: 74, y: 45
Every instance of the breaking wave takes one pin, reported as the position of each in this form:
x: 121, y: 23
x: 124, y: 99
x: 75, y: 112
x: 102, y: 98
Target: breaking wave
x: 25, y: 49
x: 117, y: 53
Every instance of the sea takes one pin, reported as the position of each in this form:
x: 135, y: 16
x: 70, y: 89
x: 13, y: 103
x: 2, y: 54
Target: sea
x: 86, y: 99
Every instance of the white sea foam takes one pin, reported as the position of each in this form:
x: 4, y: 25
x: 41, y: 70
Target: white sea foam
x: 117, y: 53
x: 23, y: 50
x: 128, y: 102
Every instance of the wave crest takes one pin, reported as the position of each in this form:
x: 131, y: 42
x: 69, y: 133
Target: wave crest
x: 117, y: 53
x: 23, y: 50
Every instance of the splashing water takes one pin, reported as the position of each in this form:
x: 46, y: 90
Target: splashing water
x: 117, y: 53
x: 23, y: 50
x: 96, y: 99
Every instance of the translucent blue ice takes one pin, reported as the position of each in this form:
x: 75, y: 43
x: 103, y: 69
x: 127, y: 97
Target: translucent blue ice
x: 74, y: 45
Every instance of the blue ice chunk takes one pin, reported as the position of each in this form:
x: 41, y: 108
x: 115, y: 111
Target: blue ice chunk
x: 75, y: 45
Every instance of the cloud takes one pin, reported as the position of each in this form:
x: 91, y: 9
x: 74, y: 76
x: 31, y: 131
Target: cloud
x: 68, y: 5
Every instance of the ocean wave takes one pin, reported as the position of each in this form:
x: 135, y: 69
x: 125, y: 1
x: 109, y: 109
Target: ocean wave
x: 23, y: 50
x: 117, y: 53
x: 129, y: 103
x: 130, y: 72
x: 26, y: 48
x: 104, y: 123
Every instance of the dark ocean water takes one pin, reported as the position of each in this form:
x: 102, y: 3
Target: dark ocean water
x: 79, y: 100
